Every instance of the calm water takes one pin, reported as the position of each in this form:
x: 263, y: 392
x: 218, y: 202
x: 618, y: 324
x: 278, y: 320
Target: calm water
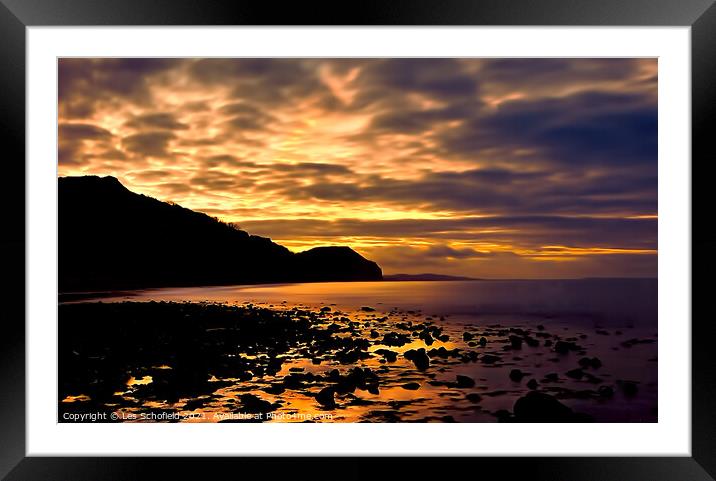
x: 607, y: 302
x: 601, y: 315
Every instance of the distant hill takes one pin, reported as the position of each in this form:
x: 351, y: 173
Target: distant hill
x: 426, y: 277
x: 112, y: 238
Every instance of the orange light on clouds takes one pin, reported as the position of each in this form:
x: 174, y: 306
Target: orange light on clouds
x: 478, y: 167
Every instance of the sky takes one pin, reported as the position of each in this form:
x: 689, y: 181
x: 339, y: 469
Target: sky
x: 495, y: 168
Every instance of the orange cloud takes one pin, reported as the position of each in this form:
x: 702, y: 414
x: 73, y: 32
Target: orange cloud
x: 399, y: 158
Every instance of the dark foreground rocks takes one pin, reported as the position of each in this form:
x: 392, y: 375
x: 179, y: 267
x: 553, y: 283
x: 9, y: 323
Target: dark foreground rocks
x: 538, y: 407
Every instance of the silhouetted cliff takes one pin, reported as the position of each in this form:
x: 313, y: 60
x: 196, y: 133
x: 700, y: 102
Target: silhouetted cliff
x: 111, y: 238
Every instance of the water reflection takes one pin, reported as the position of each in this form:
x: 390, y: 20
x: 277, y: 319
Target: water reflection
x: 621, y: 387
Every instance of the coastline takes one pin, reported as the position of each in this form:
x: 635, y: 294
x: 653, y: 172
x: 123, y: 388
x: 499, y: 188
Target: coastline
x: 211, y: 362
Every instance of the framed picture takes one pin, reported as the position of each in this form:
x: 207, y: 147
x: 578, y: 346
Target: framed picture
x: 259, y: 236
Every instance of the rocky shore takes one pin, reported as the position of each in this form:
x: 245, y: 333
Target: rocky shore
x: 167, y: 361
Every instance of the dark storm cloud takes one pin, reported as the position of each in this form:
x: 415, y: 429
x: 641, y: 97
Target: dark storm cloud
x: 160, y: 120
x: 72, y: 138
x: 625, y: 233
x: 494, y: 190
x: 151, y: 175
x: 244, y: 116
x: 176, y: 188
x: 150, y: 144
x: 264, y: 80
x: 441, y: 79
x: 416, y: 121
x: 78, y: 131
x: 219, y: 181
x: 310, y: 169
x: 83, y: 83
x: 447, y: 252
x: 598, y: 128
x: 528, y: 73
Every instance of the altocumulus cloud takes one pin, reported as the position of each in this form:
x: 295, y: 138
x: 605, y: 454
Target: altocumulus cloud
x: 505, y: 167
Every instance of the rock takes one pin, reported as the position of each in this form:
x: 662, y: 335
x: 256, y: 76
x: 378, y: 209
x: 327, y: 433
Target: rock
x: 426, y: 337
x: 540, y: 327
x: 503, y: 416
x: 395, y: 339
x: 629, y: 388
x: 367, y: 309
x: 388, y: 355
x: 551, y: 377
x: 563, y: 347
x: 483, y: 341
x: 517, y: 375
x: 444, y: 353
x: 443, y: 338
x: 575, y: 374
x: 634, y: 342
x: 532, y: 384
x: 531, y: 341
x: 592, y: 362
x: 294, y: 381
x: 490, y: 358
x: 325, y: 309
x: 275, y: 389
x: 538, y: 407
x: 254, y: 404
x: 374, y: 334
x: 349, y: 357
x: 466, y: 336
x: 605, y: 391
x: 473, y: 397
x: 515, y: 342
x: 548, y: 343
x: 325, y: 397
x: 470, y: 356
x: 464, y: 381
x: 411, y: 386
x: 419, y: 358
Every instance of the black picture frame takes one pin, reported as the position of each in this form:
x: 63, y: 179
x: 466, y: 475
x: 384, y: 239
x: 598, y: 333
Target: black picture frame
x: 16, y: 15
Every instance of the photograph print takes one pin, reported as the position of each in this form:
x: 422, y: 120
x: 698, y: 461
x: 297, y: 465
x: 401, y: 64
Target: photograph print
x: 357, y: 240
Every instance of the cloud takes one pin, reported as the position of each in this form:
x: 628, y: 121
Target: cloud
x: 555, y: 74
x: 149, y: 144
x: 441, y: 79
x: 596, y: 128
x: 448, y: 252
x: 85, y: 84
x: 160, y: 120
x: 490, y: 191
x: 78, y: 142
x: 219, y: 181
x: 77, y: 131
x: 525, y: 231
x: 471, y: 165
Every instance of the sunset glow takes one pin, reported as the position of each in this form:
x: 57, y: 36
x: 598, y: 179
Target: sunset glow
x: 502, y: 168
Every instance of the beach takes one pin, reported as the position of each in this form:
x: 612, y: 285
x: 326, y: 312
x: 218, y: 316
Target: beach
x: 480, y: 351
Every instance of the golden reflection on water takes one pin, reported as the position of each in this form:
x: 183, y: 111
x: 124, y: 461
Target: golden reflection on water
x: 394, y: 401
